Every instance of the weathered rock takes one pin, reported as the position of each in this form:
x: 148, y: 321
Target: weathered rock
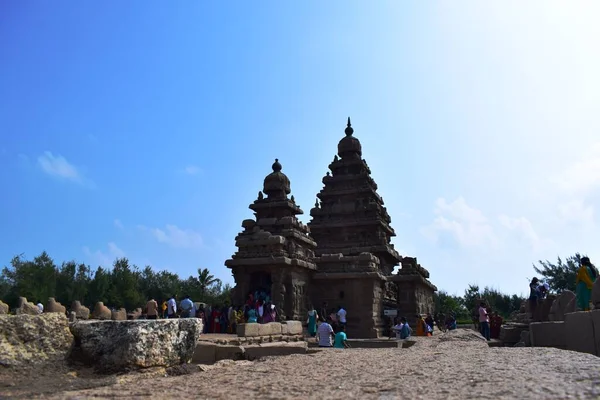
x: 119, y: 315
x: 525, y: 338
x: 291, y: 328
x: 596, y: 294
x: 113, y: 346
x: 101, y: 311
x: 26, y: 307
x: 28, y: 339
x: 548, y: 334
x: 561, y: 305
x: 579, y: 332
x: 81, y: 312
x: 511, y: 333
x: 53, y: 306
x: 4, y: 309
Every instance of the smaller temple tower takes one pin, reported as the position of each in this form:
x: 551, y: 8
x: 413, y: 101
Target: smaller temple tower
x: 275, y: 251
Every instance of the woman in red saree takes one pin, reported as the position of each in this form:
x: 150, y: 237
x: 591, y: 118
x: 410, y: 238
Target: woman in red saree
x: 215, y: 320
x: 495, y: 325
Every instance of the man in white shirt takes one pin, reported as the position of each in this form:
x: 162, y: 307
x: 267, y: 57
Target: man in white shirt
x: 172, y: 307
x: 342, y: 316
x: 325, y: 334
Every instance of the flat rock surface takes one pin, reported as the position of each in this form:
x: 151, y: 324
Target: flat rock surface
x: 455, y: 365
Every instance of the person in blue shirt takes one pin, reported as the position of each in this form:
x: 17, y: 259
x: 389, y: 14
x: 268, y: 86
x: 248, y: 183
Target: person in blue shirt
x: 341, y: 340
x: 405, y: 330
x: 187, y: 307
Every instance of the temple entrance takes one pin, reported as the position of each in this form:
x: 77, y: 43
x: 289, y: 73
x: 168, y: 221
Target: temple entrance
x: 260, y: 286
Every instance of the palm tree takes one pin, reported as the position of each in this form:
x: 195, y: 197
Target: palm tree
x: 205, y: 279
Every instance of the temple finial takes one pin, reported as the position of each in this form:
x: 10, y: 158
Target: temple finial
x: 276, y: 166
x: 349, y: 131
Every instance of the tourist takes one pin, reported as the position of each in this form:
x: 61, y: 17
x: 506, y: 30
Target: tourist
x: 440, y: 321
x: 187, y: 307
x: 231, y: 318
x: 151, y: 309
x: 260, y: 311
x: 584, y: 281
x: 495, y: 325
x: 341, y: 314
x: 484, y: 321
x: 201, y: 316
x: 402, y: 329
x: 270, y: 313
x: 251, y: 316
x: 163, y: 309
x: 422, y: 327
x: 533, y: 296
x: 325, y: 334
x: 451, y: 322
x: 172, y: 307
x: 223, y: 319
x: 40, y: 307
x: 340, y: 340
x: 312, y: 321
x: 324, y: 312
x: 215, y: 320
x: 429, y: 322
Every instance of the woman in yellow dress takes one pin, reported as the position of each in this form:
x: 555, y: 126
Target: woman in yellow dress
x: 586, y: 275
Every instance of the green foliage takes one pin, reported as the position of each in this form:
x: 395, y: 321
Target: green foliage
x: 462, y: 307
x: 122, y: 286
x: 560, y: 276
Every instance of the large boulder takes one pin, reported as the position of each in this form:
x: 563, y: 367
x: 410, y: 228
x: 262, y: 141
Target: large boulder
x: 115, y: 346
x: 101, y: 312
x: 26, y: 307
x: 4, y: 308
x: 28, y: 339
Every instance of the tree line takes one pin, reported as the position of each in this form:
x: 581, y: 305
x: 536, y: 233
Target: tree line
x: 559, y: 275
x: 127, y: 286
x: 123, y: 285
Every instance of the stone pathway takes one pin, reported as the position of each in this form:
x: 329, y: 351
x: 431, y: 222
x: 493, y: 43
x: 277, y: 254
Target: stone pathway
x: 455, y: 365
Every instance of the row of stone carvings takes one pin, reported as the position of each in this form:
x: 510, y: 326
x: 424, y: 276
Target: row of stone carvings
x: 77, y: 311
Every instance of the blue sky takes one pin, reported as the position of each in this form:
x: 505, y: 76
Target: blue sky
x: 144, y: 130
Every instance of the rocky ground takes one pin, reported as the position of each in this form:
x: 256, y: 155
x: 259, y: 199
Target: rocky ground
x: 454, y: 365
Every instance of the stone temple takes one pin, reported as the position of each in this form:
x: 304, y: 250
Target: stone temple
x: 343, y: 257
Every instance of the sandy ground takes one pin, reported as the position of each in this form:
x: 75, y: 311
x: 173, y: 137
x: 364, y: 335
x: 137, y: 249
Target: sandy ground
x: 456, y: 365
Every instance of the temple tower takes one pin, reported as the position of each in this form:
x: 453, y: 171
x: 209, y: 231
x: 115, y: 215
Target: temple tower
x: 352, y: 229
x: 275, y: 251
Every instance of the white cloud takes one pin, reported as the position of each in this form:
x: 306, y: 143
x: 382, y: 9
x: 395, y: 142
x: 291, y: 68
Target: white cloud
x: 192, y: 170
x: 577, y: 212
x: 175, y: 236
x: 59, y: 167
x: 523, y: 227
x: 583, y: 176
x: 468, y: 226
x: 104, y: 259
x: 118, y: 224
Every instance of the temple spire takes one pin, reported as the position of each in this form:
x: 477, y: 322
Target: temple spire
x: 349, y: 131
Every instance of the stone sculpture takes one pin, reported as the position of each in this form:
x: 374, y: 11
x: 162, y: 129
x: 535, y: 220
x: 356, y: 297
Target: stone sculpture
x: 101, y: 311
x: 53, y: 306
x: 4, y: 309
x: 565, y: 302
x: 80, y: 311
x: 25, y: 307
x: 119, y: 315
